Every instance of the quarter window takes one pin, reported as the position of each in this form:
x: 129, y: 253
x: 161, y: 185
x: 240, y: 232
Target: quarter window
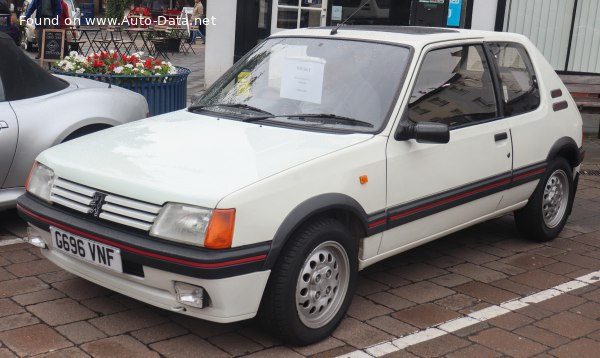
x: 454, y: 86
x: 517, y: 78
x: 2, y: 95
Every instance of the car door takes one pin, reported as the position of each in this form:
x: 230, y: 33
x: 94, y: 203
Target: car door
x: 434, y: 189
x: 9, y: 133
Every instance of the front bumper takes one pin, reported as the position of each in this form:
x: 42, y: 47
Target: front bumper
x: 233, y: 279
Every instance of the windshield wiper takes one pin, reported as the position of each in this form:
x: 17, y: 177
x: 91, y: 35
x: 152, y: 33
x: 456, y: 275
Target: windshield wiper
x: 328, y: 116
x: 230, y: 105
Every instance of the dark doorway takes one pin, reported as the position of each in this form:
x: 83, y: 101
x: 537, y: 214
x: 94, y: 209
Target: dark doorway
x: 430, y: 13
x: 253, y: 24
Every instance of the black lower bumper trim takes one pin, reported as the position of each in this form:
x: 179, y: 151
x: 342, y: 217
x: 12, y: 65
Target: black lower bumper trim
x: 145, y: 250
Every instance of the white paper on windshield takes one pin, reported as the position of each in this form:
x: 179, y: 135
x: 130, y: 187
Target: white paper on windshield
x: 279, y: 54
x: 302, y: 79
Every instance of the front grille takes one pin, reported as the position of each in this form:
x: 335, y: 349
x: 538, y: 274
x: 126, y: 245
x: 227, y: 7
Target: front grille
x: 118, y: 209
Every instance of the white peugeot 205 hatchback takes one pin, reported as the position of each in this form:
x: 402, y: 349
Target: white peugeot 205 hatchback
x: 316, y: 155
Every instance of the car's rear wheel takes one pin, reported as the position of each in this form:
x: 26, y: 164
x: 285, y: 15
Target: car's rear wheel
x: 546, y: 213
x: 312, y: 284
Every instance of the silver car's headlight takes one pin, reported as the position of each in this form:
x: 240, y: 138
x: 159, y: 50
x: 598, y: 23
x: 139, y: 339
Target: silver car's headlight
x: 183, y: 223
x: 40, y: 181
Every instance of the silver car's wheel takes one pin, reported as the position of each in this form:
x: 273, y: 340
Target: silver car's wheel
x: 556, y: 198
x: 322, y: 284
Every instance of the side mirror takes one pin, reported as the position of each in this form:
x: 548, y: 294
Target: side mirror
x: 424, y: 132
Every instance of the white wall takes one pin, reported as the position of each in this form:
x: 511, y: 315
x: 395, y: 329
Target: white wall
x: 484, y: 14
x: 220, y: 39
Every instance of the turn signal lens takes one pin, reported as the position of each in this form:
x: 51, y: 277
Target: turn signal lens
x: 220, y: 229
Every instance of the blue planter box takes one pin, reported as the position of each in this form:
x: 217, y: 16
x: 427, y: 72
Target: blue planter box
x: 164, y: 94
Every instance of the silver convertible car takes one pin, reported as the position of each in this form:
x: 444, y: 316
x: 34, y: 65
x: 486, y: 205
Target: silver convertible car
x: 39, y: 110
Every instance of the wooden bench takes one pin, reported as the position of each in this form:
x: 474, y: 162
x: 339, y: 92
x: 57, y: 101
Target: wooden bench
x: 585, y: 90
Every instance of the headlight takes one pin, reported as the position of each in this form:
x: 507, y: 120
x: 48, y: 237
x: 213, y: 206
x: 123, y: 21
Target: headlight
x: 195, y: 225
x: 40, y: 181
x: 182, y: 223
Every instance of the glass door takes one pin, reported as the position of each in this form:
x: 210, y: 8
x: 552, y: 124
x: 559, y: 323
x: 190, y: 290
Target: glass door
x: 293, y: 14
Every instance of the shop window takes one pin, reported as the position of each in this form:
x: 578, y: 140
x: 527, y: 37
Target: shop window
x: 454, y: 86
x: 517, y: 78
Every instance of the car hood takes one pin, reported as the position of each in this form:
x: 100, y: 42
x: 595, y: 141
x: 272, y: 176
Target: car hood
x: 188, y: 158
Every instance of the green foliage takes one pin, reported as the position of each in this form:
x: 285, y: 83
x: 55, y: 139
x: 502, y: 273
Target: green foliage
x: 116, y: 8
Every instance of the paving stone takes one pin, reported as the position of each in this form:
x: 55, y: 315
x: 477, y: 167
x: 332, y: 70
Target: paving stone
x: 541, y: 336
x: 80, y: 332
x: 578, y: 260
x: 159, y: 333
x: 588, y: 309
x: 33, y: 340
x: 365, y: 286
x: 547, y: 251
x: 276, y: 352
x: 363, y: 309
x: 504, y: 268
x: 8, y: 308
x: 392, y: 326
x: 569, y: 324
x: 425, y: 315
x: 359, y: 334
x: 127, y: 321
x: 471, y: 330
x: 18, y: 256
x: 17, y: 321
x: 535, y: 312
x: 188, y: 346
x: 333, y: 353
x: 474, y: 350
x: 236, y: 344
x: 392, y: 301
x: 388, y: 279
x: 561, y: 303
x: 38, y: 296
x: 325, y: 345
x: 419, y: 271
x: 104, y: 305
x: 58, y: 276
x: 510, y: 321
x: 32, y: 268
x: 581, y: 348
x: 457, y: 302
x: 512, y: 286
x: 561, y: 268
x: 445, y: 261
x: 593, y: 295
x: 5, y: 353
x: 450, y: 280
x: 80, y: 289
x: 127, y: 301
x: 529, y: 261
x: 5, y: 275
x: 517, y: 245
x: 422, y: 292
x: 540, y: 279
x: 508, y: 343
x: 495, y: 251
x: 203, y: 328
x: 259, y: 335
x: 472, y: 256
x: 119, y: 346
x: 439, y: 347
x: 65, y: 353
x: 477, y: 272
x: 485, y: 292
x: 61, y: 311
x: 20, y: 286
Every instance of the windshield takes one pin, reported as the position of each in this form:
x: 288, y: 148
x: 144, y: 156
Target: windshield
x: 319, y: 83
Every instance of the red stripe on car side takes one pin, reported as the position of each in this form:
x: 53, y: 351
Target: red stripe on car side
x: 377, y: 223
x: 456, y: 197
x: 529, y: 174
x: 145, y: 253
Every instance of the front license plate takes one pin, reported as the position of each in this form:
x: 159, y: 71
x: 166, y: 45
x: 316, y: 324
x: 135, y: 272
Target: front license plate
x: 87, y: 250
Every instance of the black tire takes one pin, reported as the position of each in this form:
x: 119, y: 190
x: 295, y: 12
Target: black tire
x: 280, y: 311
x: 531, y: 220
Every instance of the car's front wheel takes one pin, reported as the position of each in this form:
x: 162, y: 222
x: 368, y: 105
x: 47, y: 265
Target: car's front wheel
x: 312, y: 284
x: 546, y: 213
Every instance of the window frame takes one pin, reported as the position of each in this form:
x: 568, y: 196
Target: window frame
x: 526, y: 60
x: 493, y: 74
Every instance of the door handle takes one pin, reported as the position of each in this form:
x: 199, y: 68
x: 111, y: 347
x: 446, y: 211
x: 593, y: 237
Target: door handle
x: 500, y: 136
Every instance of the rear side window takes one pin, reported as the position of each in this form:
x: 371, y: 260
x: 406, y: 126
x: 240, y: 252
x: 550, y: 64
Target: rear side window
x: 454, y: 86
x: 517, y: 78
x: 2, y: 96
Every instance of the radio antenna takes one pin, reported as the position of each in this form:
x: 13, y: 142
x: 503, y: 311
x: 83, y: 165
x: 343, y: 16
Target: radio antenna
x: 335, y: 31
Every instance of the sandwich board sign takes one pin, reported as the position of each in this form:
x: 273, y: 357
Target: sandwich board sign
x: 53, y: 45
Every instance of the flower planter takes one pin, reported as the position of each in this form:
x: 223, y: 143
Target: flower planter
x: 164, y: 93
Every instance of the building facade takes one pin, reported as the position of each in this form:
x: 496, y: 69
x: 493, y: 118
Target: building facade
x: 566, y: 31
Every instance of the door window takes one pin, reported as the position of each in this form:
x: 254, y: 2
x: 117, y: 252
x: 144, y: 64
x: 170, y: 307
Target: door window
x: 517, y: 78
x: 454, y: 86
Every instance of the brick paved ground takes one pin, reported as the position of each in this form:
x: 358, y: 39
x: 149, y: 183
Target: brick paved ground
x: 47, y: 312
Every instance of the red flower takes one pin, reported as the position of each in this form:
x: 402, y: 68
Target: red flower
x: 157, y: 62
x: 148, y: 63
x: 96, y: 56
x: 98, y: 63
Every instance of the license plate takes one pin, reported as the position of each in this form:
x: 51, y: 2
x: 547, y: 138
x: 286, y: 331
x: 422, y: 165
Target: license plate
x: 87, y: 250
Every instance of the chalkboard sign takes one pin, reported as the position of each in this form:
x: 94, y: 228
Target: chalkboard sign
x: 53, y: 45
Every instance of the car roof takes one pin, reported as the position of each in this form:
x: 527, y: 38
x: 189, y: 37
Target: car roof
x: 408, y: 35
